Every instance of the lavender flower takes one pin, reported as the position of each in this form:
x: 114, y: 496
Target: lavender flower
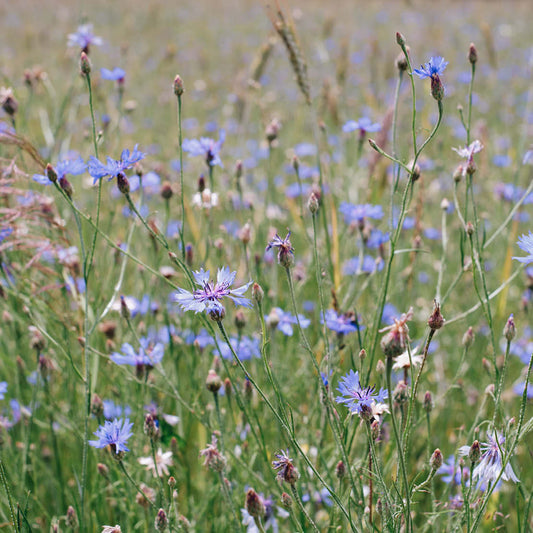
x: 364, y: 125
x: 451, y: 472
x: 491, y: 463
x: 209, y: 148
x: 117, y: 74
x: 114, y: 433
x: 362, y: 401
x: 525, y: 242
x: 284, y: 321
x: 245, y: 348
x: 114, y: 167
x: 3, y: 389
x: 285, y: 249
x: 112, y: 410
x: 84, y: 37
x: 209, y: 297
x: 63, y: 167
x: 357, y: 213
x: 435, y: 66
x: 345, y: 323
x: 146, y: 357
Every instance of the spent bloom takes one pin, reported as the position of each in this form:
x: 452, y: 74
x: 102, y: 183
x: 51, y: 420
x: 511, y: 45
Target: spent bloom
x: 364, y: 401
x: 114, y: 433
x: 490, y: 465
x: 84, y: 37
x: 525, y: 242
x: 213, y: 458
x: 285, y: 249
x: 114, y: 167
x: 286, y: 470
x: 209, y: 148
x: 394, y: 342
x: 209, y: 297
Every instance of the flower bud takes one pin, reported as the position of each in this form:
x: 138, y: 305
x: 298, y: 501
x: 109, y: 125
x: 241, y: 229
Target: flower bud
x: 436, y: 320
x: 166, y: 190
x: 401, y: 62
x: 400, y: 39
x: 401, y: 393
x: 103, y: 470
x: 124, y: 311
x: 312, y: 203
x: 51, y: 173
x: 436, y: 460
x: 475, y: 452
x: 472, y: 54
x: 254, y: 505
x: 171, y: 482
x: 72, y: 518
x: 509, y: 331
x: 161, y: 520
x: 428, y: 402
x: 97, y: 406
x: 257, y: 293
x: 340, y: 470
x: 66, y: 186
x: 213, y: 382
x: 468, y: 337
x: 380, y: 367
x: 151, y: 427
x: 178, y: 86
x: 85, y: 64
x: 240, y: 320
x: 286, y: 501
x: 123, y: 183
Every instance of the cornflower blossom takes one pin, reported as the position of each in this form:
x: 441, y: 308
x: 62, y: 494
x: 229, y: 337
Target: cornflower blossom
x: 433, y: 70
x: 117, y: 74
x: 285, y: 249
x: 525, y: 242
x: 84, y: 37
x: 364, y: 125
x: 245, y: 348
x: 209, y: 297
x: 370, y: 265
x: 3, y: 389
x: 209, y: 148
x: 114, y: 167
x: 114, y: 433
x: 162, y: 461
x: 147, y: 356
x: 284, y: 321
x: 403, y: 361
x: 75, y: 167
x: 345, y: 323
x: 451, y: 472
x: 366, y: 402
x: 357, y: 213
x: 112, y: 410
x: 490, y: 465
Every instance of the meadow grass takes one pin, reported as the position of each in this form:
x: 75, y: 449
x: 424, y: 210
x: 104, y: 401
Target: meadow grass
x: 247, y: 284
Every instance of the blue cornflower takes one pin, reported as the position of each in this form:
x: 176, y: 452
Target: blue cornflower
x: 117, y: 74
x: 325, y: 378
x: 114, y: 167
x: 352, y: 266
x: 146, y: 357
x: 363, y: 125
x: 363, y: 401
x: 112, y: 410
x: 433, y: 70
x: 377, y: 238
x: 357, y: 213
x: 3, y: 389
x: 245, y: 348
x: 491, y: 463
x: 435, y: 66
x: 525, y: 242
x: 209, y: 148
x: 84, y: 38
x: 208, y: 298
x: 74, y: 167
x: 345, y: 323
x: 202, y: 339
x: 284, y: 321
x: 114, y: 433
x: 5, y: 233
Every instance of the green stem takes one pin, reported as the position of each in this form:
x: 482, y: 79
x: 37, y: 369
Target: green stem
x: 5, y: 484
x: 134, y: 483
x: 296, y: 497
x: 182, y: 191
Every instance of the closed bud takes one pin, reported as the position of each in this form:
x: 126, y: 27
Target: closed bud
x: 189, y: 254
x: 436, y: 320
x: 362, y: 355
x: 472, y: 54
x: 380, y: 367
x: 166, y: 190
x: 161, y: 520
x: 171, y: 482
x: 151, y: 427
x: 437, y: 89
x: 400, y: 39
x: 485, y: 363
x: 103, y: 470
x: 245, y: 233
x: 401, y: 393
x: 97, y: 406
x: 184, y: 524
x: 85, y: 64
x: 178, y: 86
x: 248, y: 390
x: 415, y: 173
x: 286, y: 501
x: 227, y: 387
x: 458, y: 173
x: 468, y: 337
x: 254, y: 504
x: 401, y: 62
x: 72, y: 518
x: 475, y: 452
x: 213, y: 382
x: 257, y: 293
x: 469, y: 228
x: 509, y: 331
x: 436, y: 460
x: 375, y: 429
x: 238, y: 169
x: 124, y: 311
x: 66, y: 186
x: 428, y: 402
x: 312, y: 203
x: 340, y: 470
x: 445, y: 204
x: 295, y: 163
x: 240, y: 320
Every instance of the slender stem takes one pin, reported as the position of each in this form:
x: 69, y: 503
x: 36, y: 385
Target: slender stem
x: 296, y: 497
x: 182, y: 191
x: 5, y: 484
x: 134, y: 483
x: 227, y: 494
x: 156, y: 469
